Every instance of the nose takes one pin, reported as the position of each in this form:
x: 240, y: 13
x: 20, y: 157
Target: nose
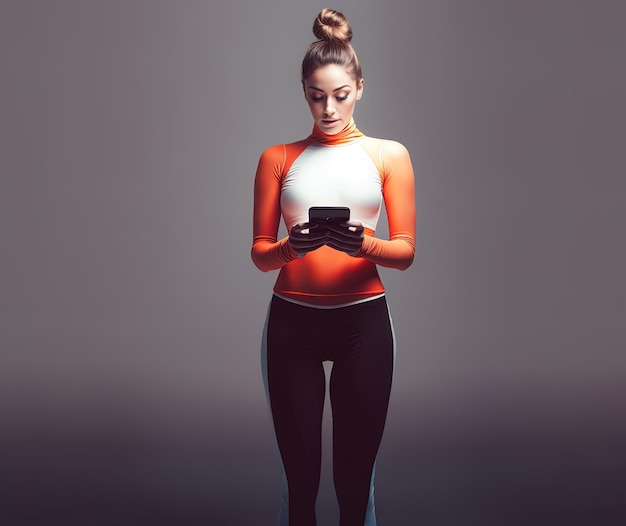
x: 329, y: 109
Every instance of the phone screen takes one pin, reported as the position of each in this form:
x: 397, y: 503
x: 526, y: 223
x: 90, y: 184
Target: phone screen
x: 320, y: 214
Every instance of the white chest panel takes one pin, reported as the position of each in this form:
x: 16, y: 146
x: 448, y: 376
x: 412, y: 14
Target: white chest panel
x: 332, y: 176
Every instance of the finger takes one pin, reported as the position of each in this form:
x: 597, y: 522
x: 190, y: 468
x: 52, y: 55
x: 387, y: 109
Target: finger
x: 348, y: 228
x: 355, y: 227
x: 307, y: 244
x: 305, y: 227
x: 345, y: 236
x: 308, y: 236
x: 302, y: 251
x: 345, y: 241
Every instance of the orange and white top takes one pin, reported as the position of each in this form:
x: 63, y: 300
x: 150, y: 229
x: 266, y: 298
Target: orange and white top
x: 345, y: 169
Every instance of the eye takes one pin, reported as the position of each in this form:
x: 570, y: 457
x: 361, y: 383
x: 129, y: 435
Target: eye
x: 342, y: 98
x: 316, y: 99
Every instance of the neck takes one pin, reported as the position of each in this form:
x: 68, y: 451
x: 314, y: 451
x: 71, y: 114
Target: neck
x: 348, y: 134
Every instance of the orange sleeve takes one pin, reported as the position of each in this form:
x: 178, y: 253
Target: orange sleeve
x: 267, y: 252
x: 399, y: 196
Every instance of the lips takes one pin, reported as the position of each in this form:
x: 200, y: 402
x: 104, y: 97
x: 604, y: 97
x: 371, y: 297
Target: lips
x: 329, y: 122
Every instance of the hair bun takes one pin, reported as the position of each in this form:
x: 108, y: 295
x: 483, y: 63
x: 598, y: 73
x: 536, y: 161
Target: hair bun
x: 332, y: 25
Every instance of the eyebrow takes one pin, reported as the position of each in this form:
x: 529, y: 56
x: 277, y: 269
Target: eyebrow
x: 336, y: 89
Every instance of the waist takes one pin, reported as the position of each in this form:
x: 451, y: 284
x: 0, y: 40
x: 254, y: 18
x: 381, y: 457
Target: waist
x: 327, y: 277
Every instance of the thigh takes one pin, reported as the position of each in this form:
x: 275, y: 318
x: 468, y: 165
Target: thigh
x: 296, y: 384
x: 360, y: 388
x: 363, y: 370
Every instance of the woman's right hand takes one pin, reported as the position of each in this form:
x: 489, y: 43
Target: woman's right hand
x: 306, y: 237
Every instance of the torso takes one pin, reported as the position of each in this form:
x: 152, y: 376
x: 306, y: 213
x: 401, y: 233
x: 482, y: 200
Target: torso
x: 317, y: 174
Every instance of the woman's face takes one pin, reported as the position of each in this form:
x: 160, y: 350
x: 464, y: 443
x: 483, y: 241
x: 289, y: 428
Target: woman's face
x: 332, y: 93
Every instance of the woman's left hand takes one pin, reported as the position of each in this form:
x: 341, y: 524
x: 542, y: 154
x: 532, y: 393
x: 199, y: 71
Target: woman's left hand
x: 346, y: 237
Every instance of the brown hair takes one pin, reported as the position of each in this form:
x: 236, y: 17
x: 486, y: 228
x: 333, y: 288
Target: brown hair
x: 332, y: 47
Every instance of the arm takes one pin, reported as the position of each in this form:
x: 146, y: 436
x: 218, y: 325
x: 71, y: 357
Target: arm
x: 268, y: 253
x: 399, y: 195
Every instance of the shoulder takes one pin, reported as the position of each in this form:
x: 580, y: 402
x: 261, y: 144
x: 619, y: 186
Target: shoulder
x: 279, y: 157
x: 391, y: 149
x: 387, y: 146
x: 273, y: 152
x: 386, y: 152
x: 281, y: 151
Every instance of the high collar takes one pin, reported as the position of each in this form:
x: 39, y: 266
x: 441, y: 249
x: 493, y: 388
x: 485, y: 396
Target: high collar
x: 348, y: 134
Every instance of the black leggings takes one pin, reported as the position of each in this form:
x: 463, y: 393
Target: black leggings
x: 359, y: 340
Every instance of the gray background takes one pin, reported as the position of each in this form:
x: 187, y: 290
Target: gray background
x: 131, y: 313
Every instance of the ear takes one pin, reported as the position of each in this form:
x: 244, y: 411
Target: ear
x: 359, y: 89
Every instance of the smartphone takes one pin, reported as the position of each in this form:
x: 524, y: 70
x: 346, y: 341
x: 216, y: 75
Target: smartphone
x: 329, y: 214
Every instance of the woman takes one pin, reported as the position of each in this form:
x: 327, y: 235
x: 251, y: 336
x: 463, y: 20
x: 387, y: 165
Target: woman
x: 328, y: 301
